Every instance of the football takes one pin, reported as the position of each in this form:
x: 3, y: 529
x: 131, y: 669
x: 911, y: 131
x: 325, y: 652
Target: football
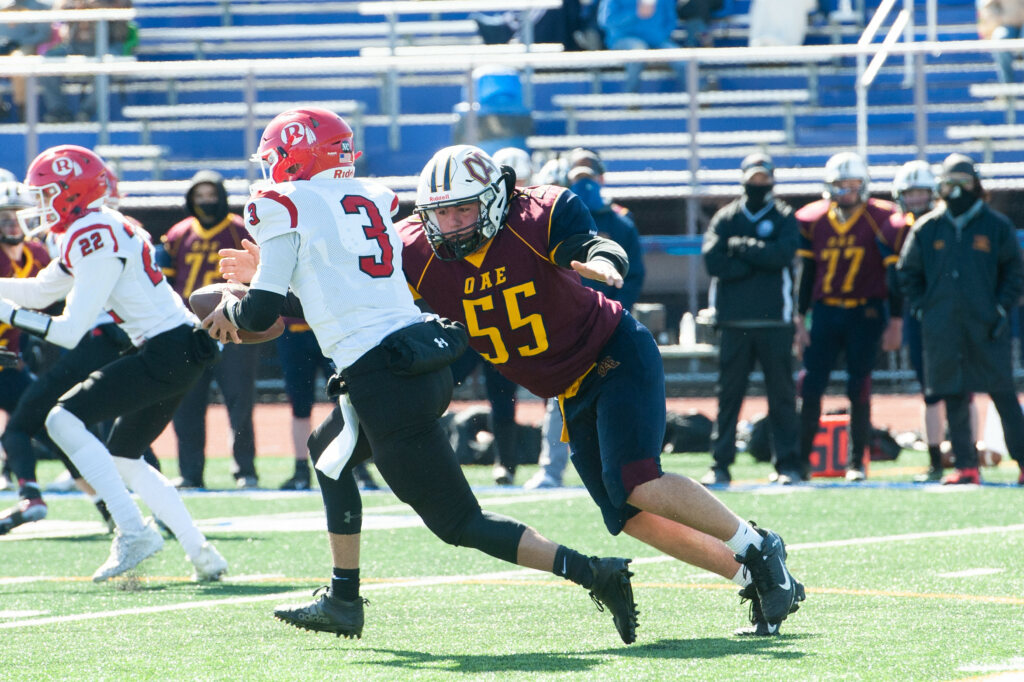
x: 986, y: 457
x: 204, y: 300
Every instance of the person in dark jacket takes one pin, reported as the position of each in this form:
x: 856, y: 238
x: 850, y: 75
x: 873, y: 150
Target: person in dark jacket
x: 961, y: 272
x: 749, y: 249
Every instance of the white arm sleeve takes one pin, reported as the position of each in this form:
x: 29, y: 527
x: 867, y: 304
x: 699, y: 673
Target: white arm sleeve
x: 50, y: 285
x: 278, y: 257
x: 94, y: 279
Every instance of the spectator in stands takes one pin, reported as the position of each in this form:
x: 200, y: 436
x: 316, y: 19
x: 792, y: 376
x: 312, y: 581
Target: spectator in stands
x: 18, y: 40
x: 640, y: 25
x: 1001, y: 20
x: 749, y: 249
x: 574, y: 25
x: 774, y: 23
x: 79, y: 38
x: 848, y: 243
x: 961, y: 271
x: 914, y: 189
x: 190, y: 260
x: 585, y: 176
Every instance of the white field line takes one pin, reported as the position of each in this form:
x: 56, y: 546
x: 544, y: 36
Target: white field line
x: 502, y: 575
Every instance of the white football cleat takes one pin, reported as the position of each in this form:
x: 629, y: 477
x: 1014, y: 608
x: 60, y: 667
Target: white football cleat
x: 128, y: 551
x: 209, y: 563
x: 541, y: 479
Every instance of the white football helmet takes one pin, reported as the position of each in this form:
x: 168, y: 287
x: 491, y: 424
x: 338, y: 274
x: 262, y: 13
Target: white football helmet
x: 460, y: 175
x: 554, y: 172
x: 518, y: 160
x: 846, y: 166
x: 14, y: 197
x: 915, y: 175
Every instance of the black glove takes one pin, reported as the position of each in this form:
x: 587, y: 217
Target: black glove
x: 1001, y: 326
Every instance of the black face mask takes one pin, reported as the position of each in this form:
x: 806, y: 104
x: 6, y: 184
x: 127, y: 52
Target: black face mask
x: 12, y: 240
x: 756, y: 195
x: 208, y: 213
x: 960, y: 200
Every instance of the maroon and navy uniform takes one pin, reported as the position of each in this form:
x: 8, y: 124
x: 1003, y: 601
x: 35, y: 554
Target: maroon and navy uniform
x: 844, y: 284
x: 13, y: 382
x: 192, y: 252
x: 541, y: 328
x: 192, y: 262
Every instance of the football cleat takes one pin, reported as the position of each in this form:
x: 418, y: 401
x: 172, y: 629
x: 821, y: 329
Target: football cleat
x: 326, y: 614
x: 209, y: 564
x: 128, y: 551
x: 541, y: 480
x: 855, y: 475
x: 716, y: 476
x: 612, y: 590
x: 774, y: 584
x: 963, y: 477
x: 759, y: 627
x: 27, y: 510
x: 933, y: 475
x: 247, y: 483
x: 503, y: 475
x: 297, y: 482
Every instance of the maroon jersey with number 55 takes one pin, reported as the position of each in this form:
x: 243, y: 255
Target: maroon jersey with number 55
x: 532, y: 319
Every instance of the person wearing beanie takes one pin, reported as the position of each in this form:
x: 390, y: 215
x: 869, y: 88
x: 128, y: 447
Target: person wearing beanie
x: 748, y: 252
x: 961, y: 272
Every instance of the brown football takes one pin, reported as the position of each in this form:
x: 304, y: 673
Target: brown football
x: 204, y: 300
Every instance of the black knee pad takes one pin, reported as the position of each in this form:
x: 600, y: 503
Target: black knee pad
x: 342, y: 503
x: 493, y: 534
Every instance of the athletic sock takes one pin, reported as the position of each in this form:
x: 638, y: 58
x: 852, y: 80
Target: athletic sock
x: 345, y: 584
x: 573, y: 566
x: 744, y: 537
x: 742, y: 577
x: 935, y: 456
x: 162, y: 497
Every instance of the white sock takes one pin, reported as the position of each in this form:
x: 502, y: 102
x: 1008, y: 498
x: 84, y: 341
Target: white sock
x: 742, y: 577
x: 94, y: 462
x: 745, y: 537
x: 163, y: 498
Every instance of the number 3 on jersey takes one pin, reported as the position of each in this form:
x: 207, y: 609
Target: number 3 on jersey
x: 376, y: 231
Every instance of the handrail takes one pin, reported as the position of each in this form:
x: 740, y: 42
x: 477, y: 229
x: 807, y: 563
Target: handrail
x: 865, y: 73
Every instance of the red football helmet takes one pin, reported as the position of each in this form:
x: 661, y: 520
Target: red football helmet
x: 66, y: 182
x: 300, y: 143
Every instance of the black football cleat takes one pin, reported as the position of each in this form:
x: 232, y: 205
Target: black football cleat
x: 759, y: 627
x: 326, y: 614
x: 297, y: 482
x: 775, y: 587
x: 27, y: 510
x: 612, y: 590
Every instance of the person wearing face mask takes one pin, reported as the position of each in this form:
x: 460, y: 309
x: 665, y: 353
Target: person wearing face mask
x: 748, y: 251
x: 961, y: 272
x: 188, y: 257
x: 584, y: 174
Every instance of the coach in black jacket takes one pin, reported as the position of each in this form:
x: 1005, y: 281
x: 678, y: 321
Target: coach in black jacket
x: 748, y: 251
x: 961, y: 272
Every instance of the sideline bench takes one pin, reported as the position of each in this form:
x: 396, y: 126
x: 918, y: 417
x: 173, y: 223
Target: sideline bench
x: 656, y: 140
x: 986, y: 134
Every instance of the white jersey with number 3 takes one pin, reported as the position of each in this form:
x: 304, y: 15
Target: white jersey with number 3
x: 348, y: 271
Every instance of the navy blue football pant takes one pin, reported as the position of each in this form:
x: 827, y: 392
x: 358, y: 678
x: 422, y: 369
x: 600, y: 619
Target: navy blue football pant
x: 772, y: 348
x: 616, y: 421
x: 857, y: 332
x: 301, y: 358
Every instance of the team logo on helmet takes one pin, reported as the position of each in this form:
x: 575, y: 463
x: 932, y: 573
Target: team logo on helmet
x: 296, y: 132
x: 64, y: 166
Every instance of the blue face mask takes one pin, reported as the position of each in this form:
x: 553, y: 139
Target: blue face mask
x: 589, y: 191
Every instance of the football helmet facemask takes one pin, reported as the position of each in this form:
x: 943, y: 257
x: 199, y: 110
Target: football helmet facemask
x: 65, y: 183
x: 13, y: 197
x: 846, y: 166
x: 915, y: 175
x: 300, y: 143
x: 457, y: 176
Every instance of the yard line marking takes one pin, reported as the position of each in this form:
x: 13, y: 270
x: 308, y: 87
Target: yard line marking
x: 971, y: 573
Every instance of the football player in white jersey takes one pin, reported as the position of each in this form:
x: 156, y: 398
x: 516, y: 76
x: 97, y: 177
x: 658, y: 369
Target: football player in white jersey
x: 105, y: 263
x: 329, y: 238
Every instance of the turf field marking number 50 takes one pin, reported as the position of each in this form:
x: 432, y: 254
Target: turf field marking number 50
x: 515, y: 319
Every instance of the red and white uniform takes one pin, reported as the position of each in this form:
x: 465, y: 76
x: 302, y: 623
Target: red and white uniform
x: 331, y: 240
x: 103, y: 263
